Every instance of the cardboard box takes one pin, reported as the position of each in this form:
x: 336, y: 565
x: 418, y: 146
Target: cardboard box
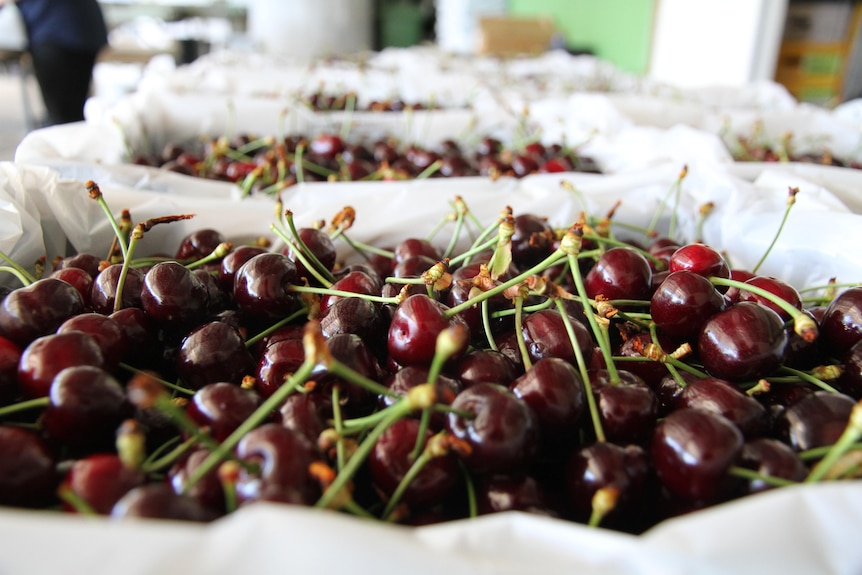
x: 515, y: 36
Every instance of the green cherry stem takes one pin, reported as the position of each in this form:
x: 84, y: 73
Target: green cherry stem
x: 791, y: 201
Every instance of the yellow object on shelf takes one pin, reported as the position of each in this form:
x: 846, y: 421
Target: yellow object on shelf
x: 814, y: 56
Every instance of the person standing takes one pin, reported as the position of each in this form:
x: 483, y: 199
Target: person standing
x: 65, y: 38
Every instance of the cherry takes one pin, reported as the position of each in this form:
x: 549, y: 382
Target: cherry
x: 198, y: 244
x: 700, y: 259
x: 160, y: 501
x: 10, y: 356
x: 173, y: 296
x: 815, y: 420
x: 103, y: 293
x: 503, y: 432
x: 683, y: 302
x: 851, y: 375
x: 211, y: 353
x: 410, y: 247
x: 620, y: 273
x: 100, y: 480
x: 280, y: 359
x: 651, y: 372
x: 222, y: 407
x: 28, y: 475
x: 139, y: 333
x: 233, y: 261
x: 208, y: 492
x: 770, y: 458
x: 390, y: 460
x: 355, y: 315
x: 601, y: 465
x: 47, y: 356
x: 720, y: 396
x: 841, y: 325
x: 409, y: 377
x: 326, y: 145
x: 691, y: 450
x: 351, y: 351
x: 545, y: 336
x: 283, y: 457
x: 533, y: 240
x: 79, y: 278
x: 38, y: 309
x: 414, y: 328
x: 555, y: 392
x: 777, y: 287
x: 88, y: 262
x: 318, y: 243
x: 627, y: 410
x: 261, y: 288
x: 306, y: 413
x: 106, y: 331
x: 498, y: 493
x: 86, y: 407
x: 487, y: 365
x: 359, y: 281
x: 744, y: 342
x: 740, y: 275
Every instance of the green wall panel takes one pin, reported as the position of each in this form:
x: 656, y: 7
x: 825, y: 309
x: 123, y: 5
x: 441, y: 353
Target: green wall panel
x: 618, y: 31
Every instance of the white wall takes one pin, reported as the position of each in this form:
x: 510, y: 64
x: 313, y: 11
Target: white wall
x: 699, y: 43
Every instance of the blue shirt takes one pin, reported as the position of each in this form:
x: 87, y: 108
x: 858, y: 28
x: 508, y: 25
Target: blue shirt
x: 75, y: 24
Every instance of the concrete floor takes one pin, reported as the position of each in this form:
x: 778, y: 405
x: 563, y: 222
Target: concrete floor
x: 14, y: 108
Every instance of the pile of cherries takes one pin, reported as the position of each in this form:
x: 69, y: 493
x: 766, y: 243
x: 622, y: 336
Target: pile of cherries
x: 562, y: 372
x: 323, y: 101
x: 267, y: 165
x: 757, y: 149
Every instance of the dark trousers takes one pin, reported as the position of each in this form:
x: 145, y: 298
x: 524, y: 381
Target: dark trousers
x: 64, y: 77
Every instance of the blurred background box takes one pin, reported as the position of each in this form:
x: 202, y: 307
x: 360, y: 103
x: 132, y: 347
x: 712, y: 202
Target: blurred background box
x: 514, y: 36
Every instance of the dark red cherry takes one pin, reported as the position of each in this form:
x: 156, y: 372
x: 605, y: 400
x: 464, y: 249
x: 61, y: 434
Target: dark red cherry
x: 86, y: 407
x: 683, y: 302
x: 620, y: 273
x: 355, y: 281
x: 601, y: 465
x: 222, y: 407
x: 306, y: 413
x: 103, y: 293
x: 28, y: 475
x: 159, y: 501
x: 409, y: 377
x: 744, y: 342
x: 88, y: 262
x: 198, y: 244
x: 390, y: 460
x: 208, y: 492
x: 326, y: 145
x: 414, y: 328
x: 545, y: 335
x: 499, y: 493
x: 841, y: 325
x: 261, y: 288
x: 47, y: 356
x: 100, y: 480
x: 776, y: 287
x: 107, y: 332
x: 487, y: 365
x: 555, y: 392
x: 283, y: 457
x: 533, y: 240
x: 212, y: 353
x: 174, y: 297
x: 79, y: 278
x: 815, y: 420
x: 10, y: 355
x: 628, y: 410
x: 277, y: 362
x: 232, y: 262
x: 725, y: 398
x: 691, y: 451
x: 318, y: 243
x: 770, y: 457
x: 38, y: 309
x: 700, y: 259
x: 503, y: 433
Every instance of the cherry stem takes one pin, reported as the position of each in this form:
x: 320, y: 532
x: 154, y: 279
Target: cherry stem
x: 432, y: 169
x: 218, y: 253
x: 806, y: 377
x: 434, y: 447
x: 96, y: 194
x: 25, y: 406
x: 550, y: 261
x: 745, y: 473
x: 350, y: 106
x: 791, y: 201
x: 398, y: 410
x: 472, y: 506
x: 338, y: 424
x: 25, y: 278
x: 803, y: 324
x: 343, y: 293
x: 519, y: 329
x: 852, y: 433
x: 157, y: 461
x: 168, y: 384
x: 364, y: 248
x: 603, y: 502
x: 595, y: 418
x: 674, y: 189
x: 276, y: 326
x: 78, y: 503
